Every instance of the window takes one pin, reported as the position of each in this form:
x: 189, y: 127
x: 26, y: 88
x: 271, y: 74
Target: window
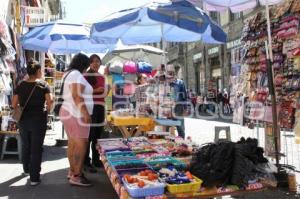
x: 235, y: 16
x: 214, y: 16
x: 215, y: 62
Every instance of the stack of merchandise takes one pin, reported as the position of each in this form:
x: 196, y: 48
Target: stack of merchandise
x: 124, y: 79
x: 7, y: 62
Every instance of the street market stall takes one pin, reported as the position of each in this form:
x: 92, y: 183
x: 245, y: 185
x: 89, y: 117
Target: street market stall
x: 173, y: 21
x: 152, y: 168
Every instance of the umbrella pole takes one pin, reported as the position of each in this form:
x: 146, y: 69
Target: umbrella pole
x: 276, y: 129
x: 269, y: 31
x: 163, y: 43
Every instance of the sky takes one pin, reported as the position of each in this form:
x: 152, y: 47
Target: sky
x: 89, y: 11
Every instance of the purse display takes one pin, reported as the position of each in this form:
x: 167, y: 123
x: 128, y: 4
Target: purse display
x: 116, y: 67
x: 130, y: 67
x: 144, y: 67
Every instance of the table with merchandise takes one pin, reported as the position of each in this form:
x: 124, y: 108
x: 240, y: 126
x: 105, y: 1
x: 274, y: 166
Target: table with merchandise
x: 159, y: 166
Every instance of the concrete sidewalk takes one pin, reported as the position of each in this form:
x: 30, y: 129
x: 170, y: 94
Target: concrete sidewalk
x: 53, y: 176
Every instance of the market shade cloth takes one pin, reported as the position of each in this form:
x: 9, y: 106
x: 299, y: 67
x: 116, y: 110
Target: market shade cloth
x: 174, y: 22
x: 62, y: 38
x: 149, y: 54
x: 233, y: 5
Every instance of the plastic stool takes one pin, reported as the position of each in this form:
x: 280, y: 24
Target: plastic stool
x: 218, y: 130
x: 4, y: 146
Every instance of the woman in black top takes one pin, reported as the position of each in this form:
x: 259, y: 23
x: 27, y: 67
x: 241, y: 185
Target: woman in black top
x: 33, y: 123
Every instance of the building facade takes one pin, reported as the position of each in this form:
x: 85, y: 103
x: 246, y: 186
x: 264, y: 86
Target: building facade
x: 206, y: 68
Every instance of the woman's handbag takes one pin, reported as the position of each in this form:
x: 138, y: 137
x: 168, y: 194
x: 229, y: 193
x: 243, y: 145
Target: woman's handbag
x: 18, y: 111
x: 59, y: 101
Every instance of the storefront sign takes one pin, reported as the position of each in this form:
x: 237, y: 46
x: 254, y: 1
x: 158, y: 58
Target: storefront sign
x: 197, y: 56
x: 34, y: 16
x: 216, y: 72
x: 213, y: 50
x: 233, y: 44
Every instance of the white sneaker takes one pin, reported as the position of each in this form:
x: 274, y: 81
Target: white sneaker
x: 32, y: 183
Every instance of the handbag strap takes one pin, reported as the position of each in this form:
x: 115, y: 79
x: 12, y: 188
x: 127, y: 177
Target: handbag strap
x: 63, y: 83
x: 29, y: 96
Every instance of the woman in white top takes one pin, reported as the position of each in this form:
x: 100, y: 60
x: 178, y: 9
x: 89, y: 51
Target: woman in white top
x: 75, y: 115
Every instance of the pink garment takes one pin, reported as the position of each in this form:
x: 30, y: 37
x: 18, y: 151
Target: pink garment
x: 75, y: 127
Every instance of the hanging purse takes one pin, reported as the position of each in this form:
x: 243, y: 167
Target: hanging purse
x: 130, y: 67
x: 18, y: 111
x: 116, y: 67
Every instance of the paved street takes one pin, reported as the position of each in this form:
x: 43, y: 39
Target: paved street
x: 54, y: 169
x: 54, y: 182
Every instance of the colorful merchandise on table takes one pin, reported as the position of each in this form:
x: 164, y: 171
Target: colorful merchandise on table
x: 179, y: 181
x: 112, y: 145
x: 157, y: 135
x: 144, y: 183
x: 165, y: 161
x: 135, y: 176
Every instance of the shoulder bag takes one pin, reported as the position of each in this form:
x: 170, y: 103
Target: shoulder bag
x: 18, y: 111
x: 59, y: 101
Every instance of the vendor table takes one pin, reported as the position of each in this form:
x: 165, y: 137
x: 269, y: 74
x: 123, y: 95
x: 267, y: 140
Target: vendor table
x: 131, y: 126
x: 203, y: 194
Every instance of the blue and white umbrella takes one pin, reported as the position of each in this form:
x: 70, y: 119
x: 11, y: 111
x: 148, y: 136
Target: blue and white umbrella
x: 174, y: 22
x: 234, y: 5
x: 62, y: 38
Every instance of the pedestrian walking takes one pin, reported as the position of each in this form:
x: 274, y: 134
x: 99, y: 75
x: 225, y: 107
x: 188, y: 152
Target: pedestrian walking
x: 100, y: 91
x: 75, y: 115
x: 205, y: 104
x: 220, y: 101
x: 180, y: 95
x: 200, y: 103
x: 32, y: 95
x: 226, y: 103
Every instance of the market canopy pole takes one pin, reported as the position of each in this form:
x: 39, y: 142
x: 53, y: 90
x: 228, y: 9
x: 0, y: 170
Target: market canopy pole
x: 163, y: 44
x: 274, y: 106
x: 269, y: 31
x: 272, y: 92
